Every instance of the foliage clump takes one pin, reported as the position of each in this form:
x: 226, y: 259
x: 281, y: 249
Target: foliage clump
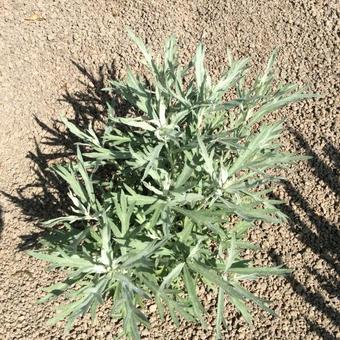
x: 162, y: 201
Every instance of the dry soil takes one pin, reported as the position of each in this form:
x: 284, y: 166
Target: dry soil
x: 56, y: 55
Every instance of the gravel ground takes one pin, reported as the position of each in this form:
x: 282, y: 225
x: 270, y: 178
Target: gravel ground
x: 56, y: 55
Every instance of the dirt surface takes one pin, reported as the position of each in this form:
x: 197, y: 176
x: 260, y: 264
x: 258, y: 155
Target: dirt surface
x: 56, y: 55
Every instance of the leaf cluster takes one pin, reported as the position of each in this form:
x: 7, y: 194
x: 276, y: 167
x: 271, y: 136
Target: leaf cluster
x: 162, y: 201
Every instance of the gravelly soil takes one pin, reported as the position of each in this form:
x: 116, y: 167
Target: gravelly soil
x: 60, y: 62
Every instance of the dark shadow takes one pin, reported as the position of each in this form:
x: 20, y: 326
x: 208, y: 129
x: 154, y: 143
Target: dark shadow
x: 328, y: 174
x: 334, y: 156
x: 330, y: 284
x: 314, y: 299
x: 321, y: 332
x: 46, y: 197
x: 324, y: 241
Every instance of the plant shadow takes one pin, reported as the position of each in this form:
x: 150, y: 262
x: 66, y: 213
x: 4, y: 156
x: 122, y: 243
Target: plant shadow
x: 324, y: 243
x: 46, y: 196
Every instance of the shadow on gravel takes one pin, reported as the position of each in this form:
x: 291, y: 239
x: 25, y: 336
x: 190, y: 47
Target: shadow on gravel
x: 46, y: 197
x: 329, y: 175
x: 324, y: 242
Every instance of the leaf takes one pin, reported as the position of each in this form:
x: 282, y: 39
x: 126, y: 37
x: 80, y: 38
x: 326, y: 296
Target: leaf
x: 212, y: 276
x: 144, y: 253
x: 73, y: 261
x: 135, y: 122
x: 171, y: 276
x: 252, y: 298
x: 142, y: 47
x: 232, y: 253
x: 199, y: 68
x: 153, y: 160
x: 265, y: 82
x: 69, y: 176
x: 86, y: 179
x: 279, y: 103
x: 63, y: 219
x: 77, y: 132
x: 124, y: 210
x: 54, y: 291
x: 92, y: 296
x: 219, y: 313
x: 106, y: 251
x: 260, y: 141
x: 137, y: 94
x: 185, y: 234
x: 241, y: 228
x: 200, y: 216
x: 208, y: 160
x: 242, y: 308
x: 260, y: 271
x: 229, y: 78
x: 191, y: 288
x: 184, y: 176
x: 141, y: 199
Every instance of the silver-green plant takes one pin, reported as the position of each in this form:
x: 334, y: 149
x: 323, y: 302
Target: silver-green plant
x: 162, y: 200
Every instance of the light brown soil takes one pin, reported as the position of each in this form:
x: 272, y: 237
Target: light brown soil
x: 59, y: 63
